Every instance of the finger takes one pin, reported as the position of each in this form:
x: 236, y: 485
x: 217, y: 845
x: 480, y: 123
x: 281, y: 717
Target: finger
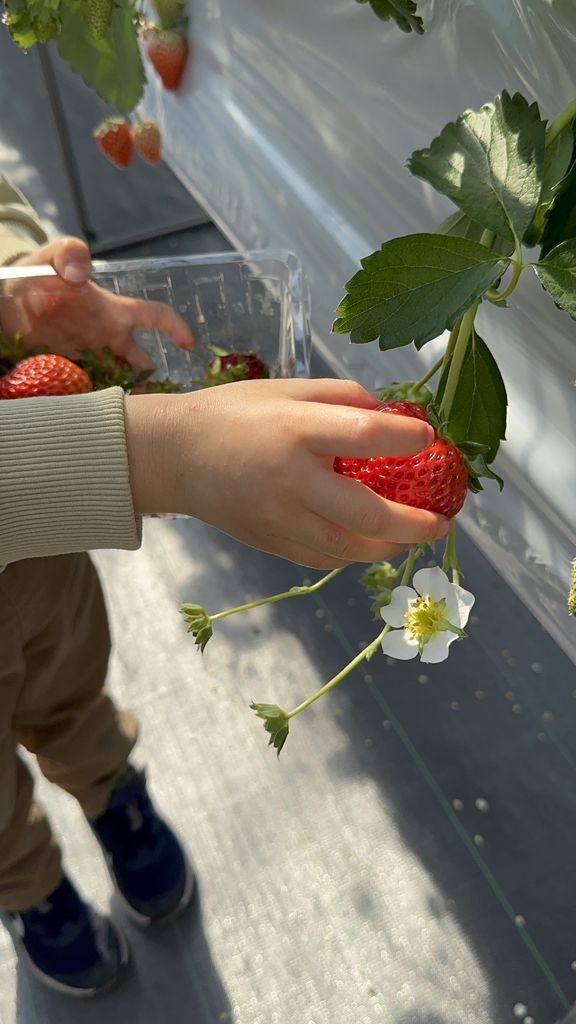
x: 136, y: 356
x: 356, y: 508
x: 327, y: 538
x: 303, y: 555
x: 364, y: 433
x: 70, y: 258
x: 157, y: 316
x: 331, y: 391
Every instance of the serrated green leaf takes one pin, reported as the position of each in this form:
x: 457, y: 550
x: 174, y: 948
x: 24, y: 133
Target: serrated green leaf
x: 560, y: 214
x: 557, y: 274
x: 490, y: 163
x: 478, y: 411
x: 557, y: 160
x: 460, y: 225
x: 403, y: 12
x: 111, y: 66
x: 414, y: 288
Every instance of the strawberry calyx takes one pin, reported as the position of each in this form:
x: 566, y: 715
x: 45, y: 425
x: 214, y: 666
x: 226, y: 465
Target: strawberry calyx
x: 473, y: 452
x: 406, y: 391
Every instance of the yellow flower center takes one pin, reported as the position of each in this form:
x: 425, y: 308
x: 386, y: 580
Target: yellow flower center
x: 426, y: 618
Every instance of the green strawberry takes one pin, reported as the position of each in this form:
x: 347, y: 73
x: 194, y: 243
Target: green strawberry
x: 97, y: 16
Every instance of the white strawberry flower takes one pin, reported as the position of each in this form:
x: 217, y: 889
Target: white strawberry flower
x: 426, y: 618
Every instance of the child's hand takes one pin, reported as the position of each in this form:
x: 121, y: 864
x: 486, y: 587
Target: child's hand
x: 69, y: 313
x: 255, y: 459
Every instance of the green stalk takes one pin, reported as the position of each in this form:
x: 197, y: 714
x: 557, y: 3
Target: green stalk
x: 434, y: 369
x: 293, y: 592
x: 364, y: 655
x: 560, y: 122
x: 457, y: 360
x: 450, y: 560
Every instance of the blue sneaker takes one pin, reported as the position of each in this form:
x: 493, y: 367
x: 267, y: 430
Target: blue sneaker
x: 67, y: 945
x: 152, y: 876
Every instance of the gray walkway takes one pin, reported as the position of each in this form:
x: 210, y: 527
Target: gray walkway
x: 412, y: 856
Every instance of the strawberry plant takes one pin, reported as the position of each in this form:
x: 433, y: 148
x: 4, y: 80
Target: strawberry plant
x: 512, y: 178
x: 100, y: 41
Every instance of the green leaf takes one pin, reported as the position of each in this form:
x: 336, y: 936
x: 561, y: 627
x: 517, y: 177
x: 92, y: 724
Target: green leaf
x: 478, y: 412
x: 402, y: 11
x: 560, y: 213
x: 198, y: 623
x: 414, y: 288
x: 111, y: 66
x: 557, y: 159
x: 490, y: 163
x: 460, y: 225
x: 276, y: 723
x: 557, y: 274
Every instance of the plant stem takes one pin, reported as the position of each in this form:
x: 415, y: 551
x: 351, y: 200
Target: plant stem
x: 450, y: 560
x: 363, y: 655
x: 434, y: 369
x: 561, y: 121
x: 293, y: 592
x: 457, y: 359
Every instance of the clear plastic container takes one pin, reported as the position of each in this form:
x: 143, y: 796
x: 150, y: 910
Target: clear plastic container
x: 243, y: 302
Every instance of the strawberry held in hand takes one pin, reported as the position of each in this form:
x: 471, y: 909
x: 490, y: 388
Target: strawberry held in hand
x: 43, y: 376
x: 167, y: 52
x: 435, y: 478
x: 114, y: 139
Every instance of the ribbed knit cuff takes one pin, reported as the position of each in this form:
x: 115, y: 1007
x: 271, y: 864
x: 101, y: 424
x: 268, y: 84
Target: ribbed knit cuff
x: 64, y: 478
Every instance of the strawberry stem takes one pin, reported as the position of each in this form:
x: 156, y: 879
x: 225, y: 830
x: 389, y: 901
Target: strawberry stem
x: 457, y: 357
x: 293, y: 592
x: 433, y: 369
x: 365, y: 654
x: 450, y: 560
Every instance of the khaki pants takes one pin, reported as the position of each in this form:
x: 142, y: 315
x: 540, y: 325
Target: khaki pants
x: 54, y: 648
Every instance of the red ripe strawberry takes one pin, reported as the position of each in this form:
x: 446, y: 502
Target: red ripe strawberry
x: 227, y: 367
x: 146, y: 139
x: 435, y: 478
x: 167, y: 52
x: 114, y: 139
x: 41, y: 376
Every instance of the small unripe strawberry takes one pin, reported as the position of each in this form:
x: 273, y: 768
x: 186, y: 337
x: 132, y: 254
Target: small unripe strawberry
x: 114, y: 139
x: 97, y: 15
x: 146, y: 139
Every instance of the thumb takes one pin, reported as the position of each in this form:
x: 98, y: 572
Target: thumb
x: 70, y: 258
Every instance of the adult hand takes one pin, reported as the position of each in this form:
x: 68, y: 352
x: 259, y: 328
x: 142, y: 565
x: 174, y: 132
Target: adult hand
x: 255, y: 460
x: 69, y: 313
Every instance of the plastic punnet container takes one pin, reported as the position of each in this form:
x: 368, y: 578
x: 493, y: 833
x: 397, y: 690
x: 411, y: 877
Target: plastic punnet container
x: 242, y: 302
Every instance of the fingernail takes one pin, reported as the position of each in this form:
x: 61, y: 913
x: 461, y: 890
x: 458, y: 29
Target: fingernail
x: 431, y: 435
x: 76, y: 273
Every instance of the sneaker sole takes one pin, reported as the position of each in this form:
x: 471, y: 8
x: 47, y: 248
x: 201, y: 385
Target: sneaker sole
x: 71, y: 990
x: 144, y: 920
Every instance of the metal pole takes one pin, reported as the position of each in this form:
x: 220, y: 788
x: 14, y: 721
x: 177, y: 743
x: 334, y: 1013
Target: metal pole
x: 67, y: 150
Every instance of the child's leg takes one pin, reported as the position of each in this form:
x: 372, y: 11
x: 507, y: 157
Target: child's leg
x: 62, y: 712
x: 30, y: 862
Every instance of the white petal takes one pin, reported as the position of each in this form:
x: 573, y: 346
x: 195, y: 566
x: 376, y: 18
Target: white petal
x: 437, y: 648
x: 432, y: 583
x: 464, y: 602
x: 398, y: 644
x: 393, y: 613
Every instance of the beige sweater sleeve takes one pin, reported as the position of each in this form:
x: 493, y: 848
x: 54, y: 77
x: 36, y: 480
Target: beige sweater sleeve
x: 64, y: 477
x: 20, y: 230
